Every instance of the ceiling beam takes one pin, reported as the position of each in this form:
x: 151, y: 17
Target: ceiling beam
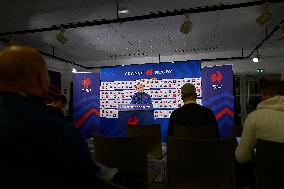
x: 152, y: 15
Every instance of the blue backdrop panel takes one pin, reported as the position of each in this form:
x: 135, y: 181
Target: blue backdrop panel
x: 55, y: 85
x: 178, y: 70
x: 217, y: 85
x: 86, y: 102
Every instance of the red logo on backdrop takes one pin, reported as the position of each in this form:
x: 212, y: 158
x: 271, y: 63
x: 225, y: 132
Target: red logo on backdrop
x: 216, y: 77
x: 216, y: 80
x: 132, y: 120
x: 86, y: 84
x: 149, y: 72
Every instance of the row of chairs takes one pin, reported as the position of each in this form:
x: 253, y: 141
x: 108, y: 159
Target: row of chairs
x: 191, y: 163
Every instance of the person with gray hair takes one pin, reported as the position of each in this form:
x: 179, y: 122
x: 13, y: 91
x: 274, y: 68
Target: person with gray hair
x: 191, y: 114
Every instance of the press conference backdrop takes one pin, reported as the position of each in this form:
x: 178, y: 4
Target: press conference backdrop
x: 86, y: 103
x: 217, y: 84
x: 162, y: 82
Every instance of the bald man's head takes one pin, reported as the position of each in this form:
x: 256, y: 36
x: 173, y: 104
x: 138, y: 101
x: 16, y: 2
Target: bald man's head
x: 22, y: 69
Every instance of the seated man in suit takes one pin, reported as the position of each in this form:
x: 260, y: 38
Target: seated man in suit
x: 191, y: 113
x: 141, y: 97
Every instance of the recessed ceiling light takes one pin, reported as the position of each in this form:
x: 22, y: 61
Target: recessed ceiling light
x: 162, y: 45
x: 139, y: 41
x: 151, y: 46
x: 114, y: 49
x: 255, y: 60
x: 126, y: 48
x: 161, y: 38
x: 151, y: 40
x: 123, y: 11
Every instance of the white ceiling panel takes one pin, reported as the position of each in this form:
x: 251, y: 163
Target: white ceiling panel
x: 212, y: 31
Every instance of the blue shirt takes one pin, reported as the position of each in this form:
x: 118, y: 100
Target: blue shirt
x: 141, y: 98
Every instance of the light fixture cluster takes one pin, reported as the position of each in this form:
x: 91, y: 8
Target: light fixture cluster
x: 186, y: 26
x: 265, y: 16
x: 60, y: 37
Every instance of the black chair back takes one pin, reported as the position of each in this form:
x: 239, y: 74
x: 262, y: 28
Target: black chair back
x: 152, y: 135
x: 128, y: 154
x: 201, y: 163
x: 205, y: 131
x: 269, y: 164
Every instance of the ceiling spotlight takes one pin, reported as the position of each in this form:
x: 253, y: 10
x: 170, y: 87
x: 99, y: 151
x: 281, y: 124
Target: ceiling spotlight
x: 265, y: 16
x: 74, y: 70
x: 256, y: 57
x: 186, y: 26
x: 60, y: 37
x: 255, y: 60
x: 123, y: 11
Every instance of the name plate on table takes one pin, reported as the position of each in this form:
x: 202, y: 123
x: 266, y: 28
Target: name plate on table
x: 135, y: 107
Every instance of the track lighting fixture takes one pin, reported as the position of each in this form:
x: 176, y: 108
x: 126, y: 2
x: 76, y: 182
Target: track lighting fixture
x: 186, y: 26
x: 60, y: 37
x: 265, y: 16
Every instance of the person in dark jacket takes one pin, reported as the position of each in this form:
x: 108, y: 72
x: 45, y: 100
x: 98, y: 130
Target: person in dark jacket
x: 191, y: 113
x: 56, y: 105
x: 38, y: 150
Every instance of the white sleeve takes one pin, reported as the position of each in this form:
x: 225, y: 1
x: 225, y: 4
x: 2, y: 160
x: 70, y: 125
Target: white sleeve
x: 245, y: 148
